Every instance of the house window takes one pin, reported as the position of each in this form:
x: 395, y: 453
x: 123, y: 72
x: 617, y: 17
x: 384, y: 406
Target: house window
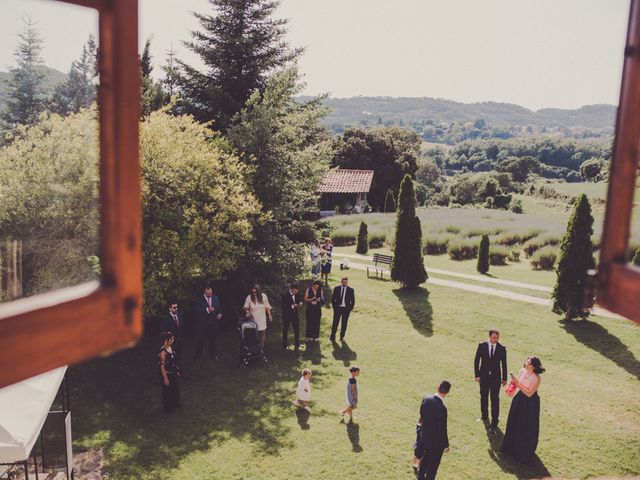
x: 69, y: 325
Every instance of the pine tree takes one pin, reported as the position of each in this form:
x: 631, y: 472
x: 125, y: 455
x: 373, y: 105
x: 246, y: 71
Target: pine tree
x: 636, y: 258
x: 79, y: 90
x: 483, y: 255
x: 240, y: 44
x: 363, y: 239
x: 25, y: 93
x: 170, y: 73
x: 152, y: 96
x: 408, y: 264
x: 576, y: 258
x: 389, y: 202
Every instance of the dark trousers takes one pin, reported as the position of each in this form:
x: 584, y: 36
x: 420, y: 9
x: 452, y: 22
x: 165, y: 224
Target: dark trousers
x: 170, y: 393
x: 429, y: 463
x: 207, y: 332
x: 338, y: 314
x: 491, y: 387
x: 294, y: 321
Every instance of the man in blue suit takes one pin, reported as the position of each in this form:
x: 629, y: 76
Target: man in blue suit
x: 208, y: 314
x: 433, y: 441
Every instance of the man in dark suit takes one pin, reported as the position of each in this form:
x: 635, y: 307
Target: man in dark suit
x: 208, y: 314
x: 343, y: 300
x: 433, y: 441
x: 291, y: 303
x: 172, y: 322
x: 490, y: 367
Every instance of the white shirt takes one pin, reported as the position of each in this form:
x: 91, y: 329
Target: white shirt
x: 293, y: 297
x: 495, y: 345
x: 440, y: 397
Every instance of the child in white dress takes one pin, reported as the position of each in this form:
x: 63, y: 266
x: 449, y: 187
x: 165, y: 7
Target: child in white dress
x: 303, y: 392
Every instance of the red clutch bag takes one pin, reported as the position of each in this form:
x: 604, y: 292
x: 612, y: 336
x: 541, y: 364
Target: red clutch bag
x: 511, y: 388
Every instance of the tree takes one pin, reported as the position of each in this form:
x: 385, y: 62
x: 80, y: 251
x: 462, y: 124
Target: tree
x: 390, y: 152
x: 483, y: 255
x: 287, y: 151
x: 389, y: 202
x: 520, y: 167
x: 240, y: 45
x: 79, y: 90
x: 428, y: 172
x: 152, y: 95
x: 576, y: 258
x: 363, y: 240
x: 590, y: 169
x: 408, y: 264
x: 25, y: 96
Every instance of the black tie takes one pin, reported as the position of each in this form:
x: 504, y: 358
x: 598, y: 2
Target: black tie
x: 492, y: 347
x: 343, y: 292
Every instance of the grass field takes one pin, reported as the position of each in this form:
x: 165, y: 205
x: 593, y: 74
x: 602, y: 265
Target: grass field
x: 239, y: 424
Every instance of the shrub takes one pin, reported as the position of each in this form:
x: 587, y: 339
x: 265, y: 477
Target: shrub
x: 516, y: 206
x: 377, y: 240
x: 343, y: 238
x: 514, y: 256
x: 436, y: 244
x: 498, y: 255
x: 453, y: 229
x: 462, y: 249
x: 534, y: 244
x: 545, y: 258
x: 516, y: 238
x: 476, y: 232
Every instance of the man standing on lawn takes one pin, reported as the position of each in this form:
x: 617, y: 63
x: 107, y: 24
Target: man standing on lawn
x: 208, y: 313
x: 343, y: 300
x: 433, y: 441
x: 490, y: 357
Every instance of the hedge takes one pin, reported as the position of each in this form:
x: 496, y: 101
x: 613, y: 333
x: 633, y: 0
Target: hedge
x: 545, y: 258
x: 462, y: 249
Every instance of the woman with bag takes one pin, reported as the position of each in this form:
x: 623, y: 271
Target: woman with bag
x: 257, y: 305
x: 314, y: 298
x: 523, y: 425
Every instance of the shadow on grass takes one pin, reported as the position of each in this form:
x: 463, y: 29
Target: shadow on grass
x: 343, y: 353
x: 598, y: 338
x: 117, y: 406
x: 303, y: 418
x: 313, y: 353
x: 532, y: 470
x: 353, y: 432
x: 415, y: 302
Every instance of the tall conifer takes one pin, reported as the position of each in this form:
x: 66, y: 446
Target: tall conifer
x: 389, y: 202
x: 363, y: 239
x: 483, y: 255
x: 408, y: 263
x: 576, y: 258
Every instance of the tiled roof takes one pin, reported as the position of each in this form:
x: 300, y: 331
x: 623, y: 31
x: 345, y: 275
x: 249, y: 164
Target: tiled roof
x: 346, y: 181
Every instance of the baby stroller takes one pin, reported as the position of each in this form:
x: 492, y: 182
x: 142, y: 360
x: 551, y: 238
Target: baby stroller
x: 250, y: 351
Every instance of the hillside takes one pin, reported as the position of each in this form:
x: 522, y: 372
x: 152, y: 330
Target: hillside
x: 51, y: 78
x: 357, y: 111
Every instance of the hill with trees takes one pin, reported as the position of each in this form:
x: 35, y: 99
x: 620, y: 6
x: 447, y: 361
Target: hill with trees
x: 52, y: 77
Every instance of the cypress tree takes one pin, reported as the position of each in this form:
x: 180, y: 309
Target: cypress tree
x: 25, y: 92
x: 575, y: 259
x: 152, y: 95
x: 389, y: 202
x: 408, y: 264
x: 483, y: 255
x: 636, y: 258
x: 240, y: 44
x: 363, y: 240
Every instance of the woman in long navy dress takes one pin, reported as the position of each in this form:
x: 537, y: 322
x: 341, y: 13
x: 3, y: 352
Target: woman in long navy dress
x: 523, y: 425
x: 314, y: 299
x: 169, y: 374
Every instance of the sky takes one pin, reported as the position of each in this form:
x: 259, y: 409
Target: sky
x: 535, y: 53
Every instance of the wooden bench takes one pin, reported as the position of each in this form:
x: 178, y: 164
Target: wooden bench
x: 378, y: 261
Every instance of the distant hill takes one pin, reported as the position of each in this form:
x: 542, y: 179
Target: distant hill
x: 408, y: 111
x: 51, y: 78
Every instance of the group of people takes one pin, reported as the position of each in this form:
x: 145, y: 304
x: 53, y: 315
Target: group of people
x: 490, y: 371
x: 321, y: 259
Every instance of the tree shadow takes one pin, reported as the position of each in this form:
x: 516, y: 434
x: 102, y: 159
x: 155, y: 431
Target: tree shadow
x: 415, y: 302
x: 526, y: 471
x: 598, y: 338
x: 343, y: 353
x: 303, y: 418
x: 353, y: 432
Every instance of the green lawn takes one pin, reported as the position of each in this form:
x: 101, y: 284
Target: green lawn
x: 239, y: 424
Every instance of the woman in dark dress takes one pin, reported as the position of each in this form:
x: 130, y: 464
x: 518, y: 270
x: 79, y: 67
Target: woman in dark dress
x: 523, y: 425
x: 314, y: 299
x: 169, y: 374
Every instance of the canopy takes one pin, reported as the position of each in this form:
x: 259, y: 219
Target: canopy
x: 23, y: 410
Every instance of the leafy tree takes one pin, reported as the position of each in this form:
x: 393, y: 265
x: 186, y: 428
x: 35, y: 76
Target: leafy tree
x: 516, y: 206
x: 576, y: 258
x: 408, y: 263
x: 363, y: 240
x: 590, y: 169
x: 389, y: 202
x: 25, y: 96
x: 152, y: 95
x: 240, y: 45
x: 428, y: 172
x: 287, y: 151
x: 79, y: 90
x: 483, y: 255
x: 390, y: 152
x: 520, y: 167
x: 198, y: 213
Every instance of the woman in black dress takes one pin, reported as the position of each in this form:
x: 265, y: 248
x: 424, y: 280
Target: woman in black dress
x: 523, y: 425
x: 314, y: 299
x: 169, y: 374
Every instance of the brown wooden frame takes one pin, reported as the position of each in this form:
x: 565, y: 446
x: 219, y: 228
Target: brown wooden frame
x: 70, y: 325
x: 618, y: 282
